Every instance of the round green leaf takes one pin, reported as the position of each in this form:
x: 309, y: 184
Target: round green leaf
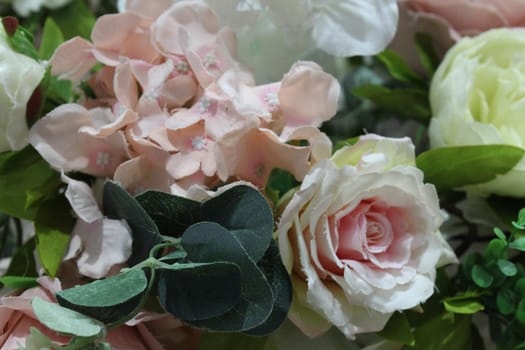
x: 481, y: 276
x: 519, y: 288
x: 107, y: 300
x: 506, y: 301
x: 210, y: 242
x: 495, y: 249
x: 66, y: 321
x: 520, y: 312
x: 508, y: 268
x: 244, y: 211
x: 198, y: 291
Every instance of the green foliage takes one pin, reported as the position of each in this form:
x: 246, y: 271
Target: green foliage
x: 107, y: 300
x: 398, y: 68
x: 66, y: 321
x: 74, y: 19
x: 398, y: 330
x: 23, y: 42
x: 18, y: 282
x: 411, y: 103
x: 467, y: 303
x: 452, y: 167
x: 213, y: 264
x: 229, y: 341
x: 427, y: 55
x: 26, y: 180
x: 53, y: 223
x: 51, y: 38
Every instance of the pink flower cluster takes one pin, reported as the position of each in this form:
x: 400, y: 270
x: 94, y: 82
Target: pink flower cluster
x: 172, y: 106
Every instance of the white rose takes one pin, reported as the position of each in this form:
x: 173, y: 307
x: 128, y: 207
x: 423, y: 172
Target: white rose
x: 25, y: 7
x: 19, y: 76
x: 361, y: 238
x: 478, y: 96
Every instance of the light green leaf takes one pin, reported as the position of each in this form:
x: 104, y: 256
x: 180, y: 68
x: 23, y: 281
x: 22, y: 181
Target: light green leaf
x: 501, y: 235
x: 518, y: 244
x: 398, y: 68
x: 508, y: 268
x: 107, y: 300
x: 453, y: 167
x: 66, y: 321
x: 481, y: 276
x: 53, y: 224
x: 463, y: 304
x: 51, y: 38
x: 18, y: 282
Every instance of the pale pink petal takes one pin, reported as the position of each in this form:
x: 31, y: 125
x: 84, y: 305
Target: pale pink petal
x: 106, y: 123
x: 308, y: 96
x: 252, y: 154
x: 146, y: 9
x: 82, y: 200
x: 139, y: 174
x: 103, y: 244
x: 319, y: 142
x: 73, y: 59
x: 58, y: 139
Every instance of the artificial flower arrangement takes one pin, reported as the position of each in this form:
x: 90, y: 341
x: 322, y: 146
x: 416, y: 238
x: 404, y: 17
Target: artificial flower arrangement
x: 182, y: 175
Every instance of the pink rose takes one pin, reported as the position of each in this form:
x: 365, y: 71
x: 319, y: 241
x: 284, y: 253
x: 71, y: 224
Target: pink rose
x: 17, y: 317
x: 361, y: 238
x: 449, y: 20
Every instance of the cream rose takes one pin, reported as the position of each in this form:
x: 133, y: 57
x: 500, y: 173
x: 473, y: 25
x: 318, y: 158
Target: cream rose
x: 361, y: 238
x: 19, y: 76
x: 477, y: 97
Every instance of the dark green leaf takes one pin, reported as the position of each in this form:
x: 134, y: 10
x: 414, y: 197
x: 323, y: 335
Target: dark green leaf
x: 495, y: 249
x: 506, y: 301
x: 519, y: 288
x: 24, y: 172
x: 453, y: 167
x: 198, y: 291
x: 107, y: 300
x: 53, y: 224
x: 244, y: 212
x: 51, y: 38
x: 398, y: 330
x: 18, y: 282
x: 119, y: 204
x: 481, y: 276
x: 231, y: 341
x: 518, y: 244
x: 65, y: 321
x: 172, y: 214
x: 279, y: 280
x: 444, y: 331
x: 463, y: 304
x: 398, y: 68
x: 409, y: 103
x: 74, y: 19
x: 174, y: 256
x: 427, y: 55
x: 508, y: 268
x: 520, y: 312
x: 23, y: 261
x: 210, y: 242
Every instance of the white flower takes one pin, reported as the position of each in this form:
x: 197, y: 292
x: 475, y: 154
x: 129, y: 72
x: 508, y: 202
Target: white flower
x: 478, y: 96
x: 25, y: 7
x: 272, y: 34
x: 361, y: 238
x: 19, y: 76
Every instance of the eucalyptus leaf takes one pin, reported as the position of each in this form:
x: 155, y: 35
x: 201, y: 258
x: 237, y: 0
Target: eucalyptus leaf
x: 508, y: 268
x: 453, y: 167
x: 198, y: 291
x: 107, y: 300
x: 172, y: 214
x: 495, y: 249
x: 281, y: 285
x: 66, y: 321
x: 210, y: 242
x: 244, y: 212
x: 119, y: 204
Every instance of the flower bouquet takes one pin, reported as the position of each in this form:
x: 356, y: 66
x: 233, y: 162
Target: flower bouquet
x: 262, y: 174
